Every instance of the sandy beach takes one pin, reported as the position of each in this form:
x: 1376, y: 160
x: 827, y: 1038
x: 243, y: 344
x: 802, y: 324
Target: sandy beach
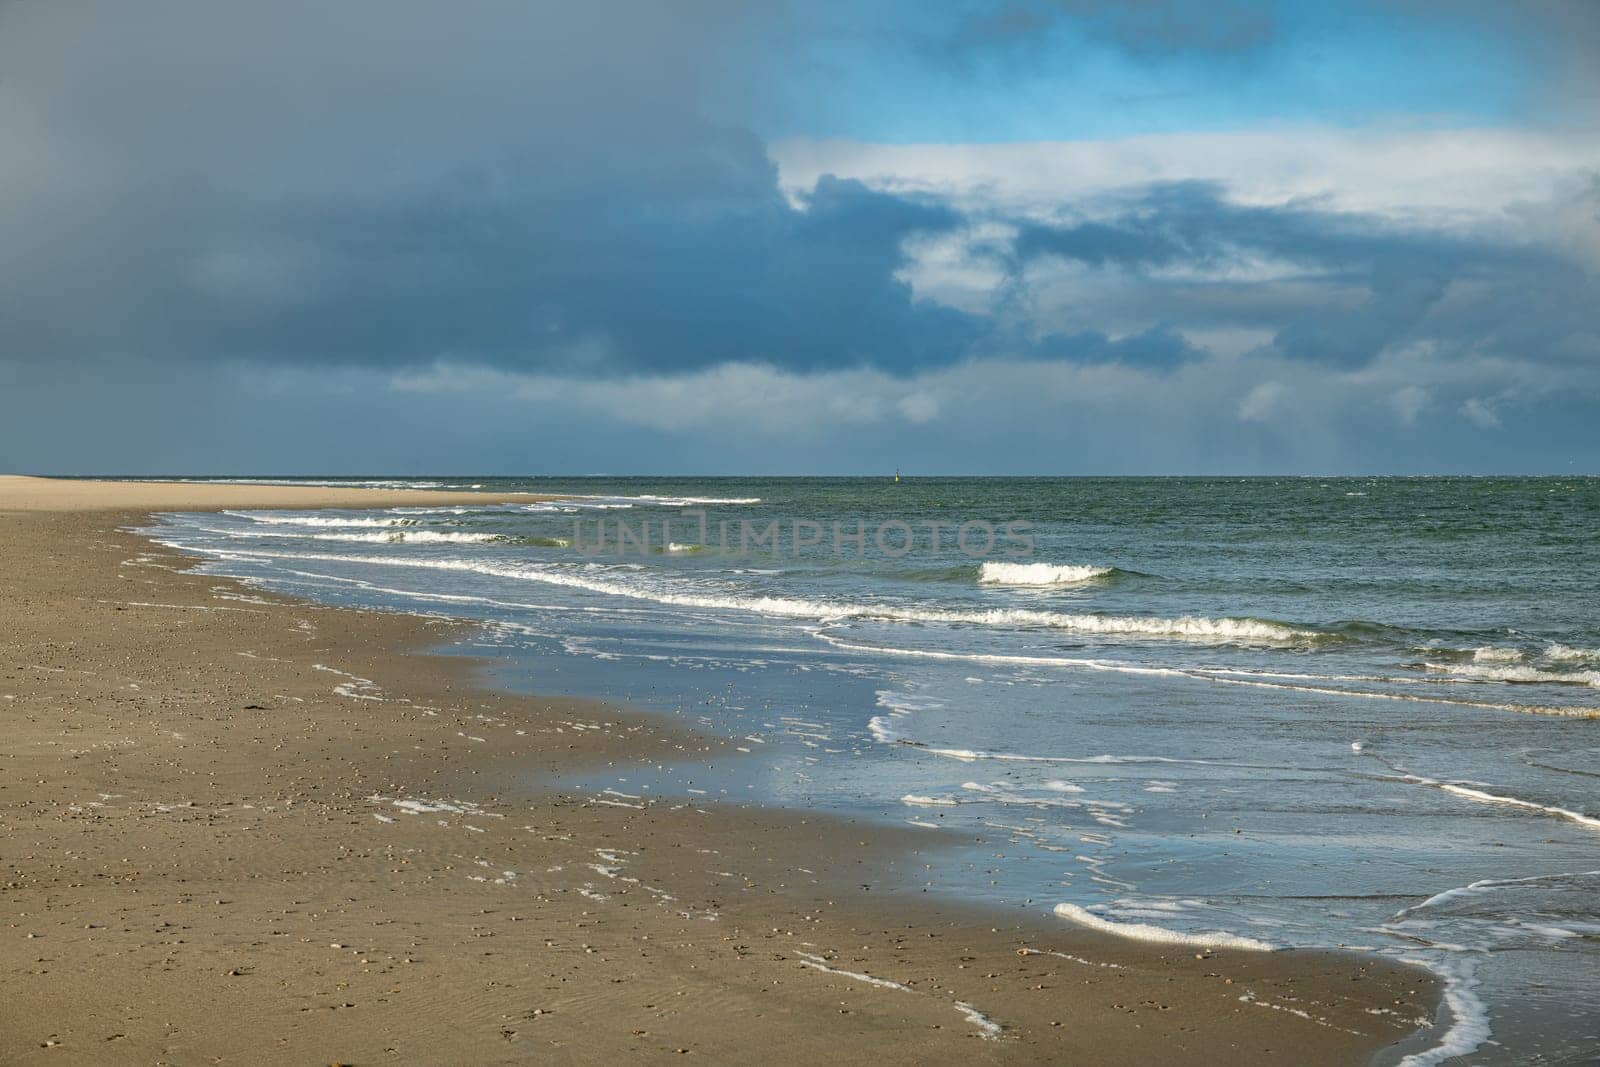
x: 243, y: 828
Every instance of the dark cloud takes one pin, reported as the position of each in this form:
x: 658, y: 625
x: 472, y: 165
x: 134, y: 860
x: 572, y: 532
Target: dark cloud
x: 681, y: 255
x: 1156, y: 349
x: 1339, y: 288
x: 200, y: 197
x: 537, y: 188
x: 552, y: 198
x: 1195, y: 223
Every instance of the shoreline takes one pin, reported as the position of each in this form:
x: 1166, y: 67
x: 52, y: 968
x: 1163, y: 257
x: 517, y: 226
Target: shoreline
x: 226, y: 804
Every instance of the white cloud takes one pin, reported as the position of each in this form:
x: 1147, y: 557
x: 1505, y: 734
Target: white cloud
x: 1409, y: 401
x: 1232, y: 411
x: 1262, y: 402
x: 750, y: 396
x: 1480, y: 412
x: 960, y: 268
x: 918, y: 407
x: 1439, y: 177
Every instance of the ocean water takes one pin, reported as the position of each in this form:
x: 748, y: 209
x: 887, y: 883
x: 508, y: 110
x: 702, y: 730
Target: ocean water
x: 1261, y: 712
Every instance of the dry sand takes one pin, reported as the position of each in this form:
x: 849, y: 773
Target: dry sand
x: 240, y: 828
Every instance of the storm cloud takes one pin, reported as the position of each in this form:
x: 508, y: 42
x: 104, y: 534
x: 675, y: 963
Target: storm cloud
x: 547, y: 209
x: 323, y: 188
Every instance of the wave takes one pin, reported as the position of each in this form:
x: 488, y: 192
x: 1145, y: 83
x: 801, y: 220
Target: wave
x: 878, y: 727
x: 996, y: 573
x: 1257, y: 631
x: 682, y: 500
x: 1147, y: 932
x: 969, y: 755
x: 1574, y: 712
x: 319, y: 520
x: 899, y: 706
x: 1469, y: 1026
x: 1482, y: 796
x: 1519, y: 675
x: 653, y: 500
x: 1489, y: 886
x: 1565, y: 654
x: 904, y: 703
x: 569, y: 505
x: 1221, y: 676
x: 1554, y: 653
x: 407, y: 536
x: 1003, y: 793
x: 331, y: 483
x: 388, y: 535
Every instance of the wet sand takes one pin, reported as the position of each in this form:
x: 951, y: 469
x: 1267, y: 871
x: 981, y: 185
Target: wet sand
x: 243, y: 828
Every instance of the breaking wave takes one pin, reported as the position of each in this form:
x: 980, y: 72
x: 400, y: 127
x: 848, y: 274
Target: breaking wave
x: 1519, y: 674
x: 1259, y: 631
x: 996, y: 573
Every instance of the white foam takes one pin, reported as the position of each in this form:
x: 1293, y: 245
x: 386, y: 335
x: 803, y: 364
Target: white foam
x: 1068, y: 956
x: 1516, y: 674
x: 1495, y: 798
x: 1484, y: 797
x: 357, y: 688
x: 914, y: 800
x: 338, y: 483
x: 1491, y: 654
x: 279, y: 519
x: 1469, y: 1019
x: 996, y: 573
x: 409, y: 536
x: 423, y: 807
x: 1219, y: 676
x: 969, y: 755
x: 391, y: 535
x: 1004, y: 793
x: 1487, y: 886
x: 904, y: 703
x: 988, y: 1029
x: 1563, y: 653
x: 819, y: 963
x: 681, y: 501
x: 659, y: 501
x: 1197, y: 627
x: 1147, y: 932
x: 878, y: 726
x: 1370, y: 694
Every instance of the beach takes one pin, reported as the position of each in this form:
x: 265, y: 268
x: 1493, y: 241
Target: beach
x: 241, y: 827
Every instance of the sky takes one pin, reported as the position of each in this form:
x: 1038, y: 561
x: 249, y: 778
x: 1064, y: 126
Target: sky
x: 719, y: 237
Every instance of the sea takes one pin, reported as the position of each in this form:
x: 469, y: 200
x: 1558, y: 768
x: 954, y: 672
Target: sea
x: 1256, y: 712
